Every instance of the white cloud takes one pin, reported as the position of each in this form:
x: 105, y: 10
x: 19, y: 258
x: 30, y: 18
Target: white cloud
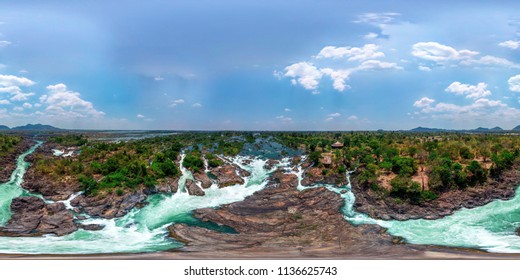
x: 423, y: 102
x: 334, y: 115
x: 471, y: 91
x: 284, y: 119
x: 352, y: 118
x: 309, y: 76
x: 370, y: 36
x: 16, y: 93
x: 139, y: 116
x: 27, y: 105
x: 177, y: 102
x: 4, y: 44
x: 376, y: 64
x: 305, y: 74
x: 158, y: 78
x: 443, y: 54
x: 489, y: 60
x: 287, y: 110
x: 437, y: 52
x: 196, y: 105
x: 368, y: 51
x: 424, y: 68
x: 514, y: 83
x: 65, y: 103
x: 510, y: 44
x: 4, y: 102
x: 377, y: 18
x: 338, y: 77
x: 18, y: 108
x: 10, y: 80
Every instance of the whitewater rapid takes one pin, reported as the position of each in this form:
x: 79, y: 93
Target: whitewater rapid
x: 491, y: 227
x: 141, y: 230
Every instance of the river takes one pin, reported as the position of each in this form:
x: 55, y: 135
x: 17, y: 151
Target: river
x: 491, y: 227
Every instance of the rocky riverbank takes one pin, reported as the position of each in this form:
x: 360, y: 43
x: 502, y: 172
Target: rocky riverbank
x: 279, y: 217
x: 387, y: 208
x: 31, y: 216
x: 8, y: 163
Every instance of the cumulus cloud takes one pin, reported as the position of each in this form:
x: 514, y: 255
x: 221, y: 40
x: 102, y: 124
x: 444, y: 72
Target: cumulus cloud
x: 27, y: 105
x: 139, y: 116
x: 304, y: 73
x: 510, y: 44
x: 424, y: 68
x: 4, y: 102
x: 287, y: 110
x: 437, y: 52
x: 443, y: 54
x: 423, y: 102
x: 10, y: 80
x: 338, y: 77
x: 471, y: 91
x: 368, y: 51
x: 479, y: 112
x: 514, y: 83
x: 309, y: 76
x: 352, y: 118
x: 61, y: 101
x: 334, y: 115
x: 196, y: 105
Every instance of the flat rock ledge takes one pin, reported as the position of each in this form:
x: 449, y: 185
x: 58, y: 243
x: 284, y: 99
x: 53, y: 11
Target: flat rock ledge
x: 32, y: 217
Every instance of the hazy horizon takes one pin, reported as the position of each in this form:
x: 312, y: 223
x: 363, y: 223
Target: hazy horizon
x: 269, y: 66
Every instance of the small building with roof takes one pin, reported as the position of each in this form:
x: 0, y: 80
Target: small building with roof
x: 337, y: 145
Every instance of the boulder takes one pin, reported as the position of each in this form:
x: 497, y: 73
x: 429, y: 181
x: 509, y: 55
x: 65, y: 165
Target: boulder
x: 32, y: 217
x: 193, y: 189
x: 109, y: 206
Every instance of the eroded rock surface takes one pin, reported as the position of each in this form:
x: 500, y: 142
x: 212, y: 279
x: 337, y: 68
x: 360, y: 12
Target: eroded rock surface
x: 32, y: 217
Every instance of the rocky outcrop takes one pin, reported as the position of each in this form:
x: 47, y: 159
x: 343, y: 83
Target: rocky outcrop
x: 280, y: 216
x: 48, y: 187
x: 229, y: 174
x: 91, y: 227
x: 203, y: 179
x: 167, y: 186
x: 386, y: 208
x: 193, y: 189
x: 271, y: 163
x: 32, y: 217
x: 317, y: 175
x: 8, y: 162
x: 109, y: 206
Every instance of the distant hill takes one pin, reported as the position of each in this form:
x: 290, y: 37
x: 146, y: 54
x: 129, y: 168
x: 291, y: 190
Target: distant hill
x: 3, y: 127
x: 38, y: 126
x: 516, y: 128
x: 427, y: 129
x: 478, y: 129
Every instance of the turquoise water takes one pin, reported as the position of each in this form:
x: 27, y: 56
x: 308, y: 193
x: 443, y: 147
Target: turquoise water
x: 141, y: 230
x: 491, y: 227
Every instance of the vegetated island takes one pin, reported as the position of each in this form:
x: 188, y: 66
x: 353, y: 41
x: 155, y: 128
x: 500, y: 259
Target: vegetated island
x: 396, y: 175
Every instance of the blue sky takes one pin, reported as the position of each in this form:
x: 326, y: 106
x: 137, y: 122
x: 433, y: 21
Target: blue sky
x: 246, y: 65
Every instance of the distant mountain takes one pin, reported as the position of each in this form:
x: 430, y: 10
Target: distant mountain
x: 516, y: 128
x: 3, y: 127
x: 478, y: 129
x: 427, y: 129
x: 38, y: 126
